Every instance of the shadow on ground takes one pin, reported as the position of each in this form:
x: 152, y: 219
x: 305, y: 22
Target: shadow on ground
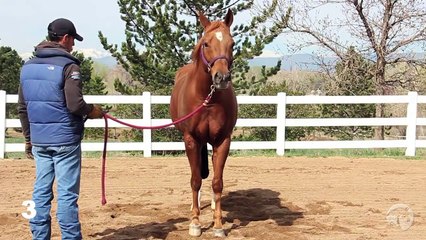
x: 142, y: 231
x: 242, y: 207
x: 258, y: 204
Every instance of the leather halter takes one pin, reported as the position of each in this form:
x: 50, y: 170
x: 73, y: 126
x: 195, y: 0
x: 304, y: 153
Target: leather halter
x: 211, y: 63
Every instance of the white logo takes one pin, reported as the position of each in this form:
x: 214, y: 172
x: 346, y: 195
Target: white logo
x: 400, y: 215
x: 51, y: 68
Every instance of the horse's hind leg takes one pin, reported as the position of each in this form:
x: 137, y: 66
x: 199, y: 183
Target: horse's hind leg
x: 193, y: 152
x: 220, y: 154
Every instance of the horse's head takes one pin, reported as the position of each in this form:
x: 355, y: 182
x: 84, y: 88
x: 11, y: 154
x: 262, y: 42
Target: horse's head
x: 215, y: 49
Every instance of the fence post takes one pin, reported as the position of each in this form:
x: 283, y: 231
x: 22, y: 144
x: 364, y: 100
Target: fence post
x: 281, y: 112
x: 2, y: 123
x: 146, y: 113
x: 411, y: 124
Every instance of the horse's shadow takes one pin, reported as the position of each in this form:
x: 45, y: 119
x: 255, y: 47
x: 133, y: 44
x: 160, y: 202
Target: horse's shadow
x: 242, y: 207
x: 258, y: 204
x: 152, y: 230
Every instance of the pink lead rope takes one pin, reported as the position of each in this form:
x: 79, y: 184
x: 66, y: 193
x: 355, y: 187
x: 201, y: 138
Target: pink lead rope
x: 107, y: 116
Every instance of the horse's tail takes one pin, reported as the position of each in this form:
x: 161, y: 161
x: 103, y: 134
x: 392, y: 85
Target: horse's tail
x: 204, y: 162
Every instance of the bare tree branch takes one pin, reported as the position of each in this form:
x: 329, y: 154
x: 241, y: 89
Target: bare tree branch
x: 385, y: 32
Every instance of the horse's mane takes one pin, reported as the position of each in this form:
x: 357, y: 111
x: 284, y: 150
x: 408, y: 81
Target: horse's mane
x: 213, y: 26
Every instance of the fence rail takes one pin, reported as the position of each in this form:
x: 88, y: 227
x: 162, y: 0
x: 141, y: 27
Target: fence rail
x: 281, y: 122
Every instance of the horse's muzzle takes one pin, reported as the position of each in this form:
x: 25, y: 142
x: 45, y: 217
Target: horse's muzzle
x: 221, y: 81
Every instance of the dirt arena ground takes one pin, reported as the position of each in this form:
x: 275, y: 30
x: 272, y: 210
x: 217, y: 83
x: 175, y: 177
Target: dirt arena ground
x: 264, y: 198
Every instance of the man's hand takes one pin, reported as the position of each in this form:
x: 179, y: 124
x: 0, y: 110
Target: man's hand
x: 96, y: 112
x: 29, y: 150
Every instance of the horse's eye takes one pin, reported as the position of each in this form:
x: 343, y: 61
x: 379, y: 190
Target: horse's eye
x: 205, y: 45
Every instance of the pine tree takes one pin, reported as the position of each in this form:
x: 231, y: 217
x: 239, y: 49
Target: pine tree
x: 160, y: 36
x: 92, y: 85
x: 270, y: 111
x: 10, y: 67
x: 354, y: 77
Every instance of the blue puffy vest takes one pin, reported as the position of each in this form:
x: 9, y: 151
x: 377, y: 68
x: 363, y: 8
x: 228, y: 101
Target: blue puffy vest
x: 42, y: 82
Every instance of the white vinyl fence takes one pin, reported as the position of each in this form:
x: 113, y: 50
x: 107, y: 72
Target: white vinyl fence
x: 411, y: 121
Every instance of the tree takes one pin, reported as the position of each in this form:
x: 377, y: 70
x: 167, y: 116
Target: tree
x: 160, y: 36
x: 270, y: 111
x: 385, y: 32
x: 353, y: 76
x: 92, y: 85
x: 10, y: 68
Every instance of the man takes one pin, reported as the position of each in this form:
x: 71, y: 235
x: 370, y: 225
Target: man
x: 52, y: 111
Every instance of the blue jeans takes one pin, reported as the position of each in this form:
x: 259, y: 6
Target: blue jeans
x: 64, y: 164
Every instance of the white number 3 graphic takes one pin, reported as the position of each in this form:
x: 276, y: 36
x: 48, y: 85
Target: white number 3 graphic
x: 30, y: 209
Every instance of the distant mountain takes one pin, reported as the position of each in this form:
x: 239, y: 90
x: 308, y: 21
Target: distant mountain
x: 107, y: 61
x: 415, y: 55
x: 307, y: 62
x: 292, y: 62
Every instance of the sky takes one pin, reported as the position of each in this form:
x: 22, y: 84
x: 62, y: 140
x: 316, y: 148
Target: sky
x: 23, y: 24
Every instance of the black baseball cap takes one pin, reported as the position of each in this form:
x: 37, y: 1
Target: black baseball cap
x: 62, y: 26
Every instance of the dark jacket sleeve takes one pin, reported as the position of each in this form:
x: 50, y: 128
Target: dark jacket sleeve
x: 23, y: 115
x: 73, y: 91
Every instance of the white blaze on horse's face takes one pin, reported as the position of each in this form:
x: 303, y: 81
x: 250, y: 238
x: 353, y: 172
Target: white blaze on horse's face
x: 220, y: 72
x: 219, y: 36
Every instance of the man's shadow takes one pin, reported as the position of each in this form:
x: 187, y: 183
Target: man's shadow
x: 142, y: 231
x: 258, y: 204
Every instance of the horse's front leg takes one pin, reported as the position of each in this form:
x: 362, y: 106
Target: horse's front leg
x: 193, y: 152
x: 220, y: 154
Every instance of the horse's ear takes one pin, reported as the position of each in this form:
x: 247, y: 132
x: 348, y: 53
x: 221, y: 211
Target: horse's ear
x: 203, y: 20
x: 229, y: 18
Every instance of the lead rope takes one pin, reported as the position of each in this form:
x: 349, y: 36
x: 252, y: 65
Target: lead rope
x: 107, y: 116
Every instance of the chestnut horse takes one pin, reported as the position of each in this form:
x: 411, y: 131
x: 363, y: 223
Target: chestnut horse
x: 207, y: 75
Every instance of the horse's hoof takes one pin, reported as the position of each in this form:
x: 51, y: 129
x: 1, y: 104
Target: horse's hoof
x: 219, y: 232
x: 194, y: 230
